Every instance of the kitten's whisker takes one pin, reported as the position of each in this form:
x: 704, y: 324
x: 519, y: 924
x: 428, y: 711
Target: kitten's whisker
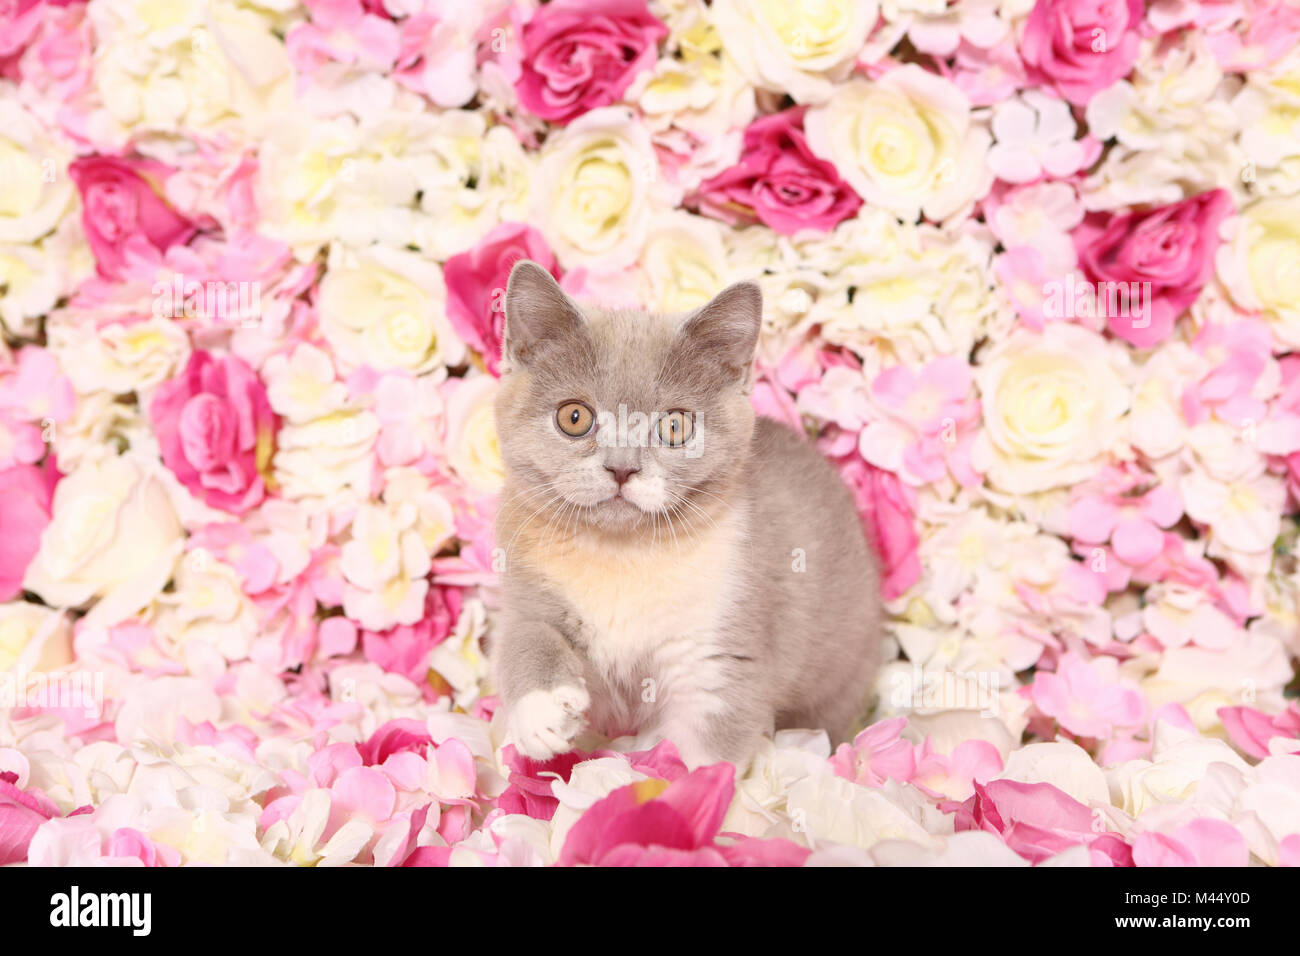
x: 527, y: 521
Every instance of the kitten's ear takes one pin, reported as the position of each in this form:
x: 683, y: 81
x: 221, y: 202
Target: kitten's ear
x: 725, y: 331
x: 539, y: 315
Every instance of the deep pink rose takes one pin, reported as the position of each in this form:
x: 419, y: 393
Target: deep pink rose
x: 25, y: 495
x: 579, y: 55
x: 216, y: 430
x: 19, y: 21
x: 122, y: 203
x: 529, y: 791
x: 887, y: 518
x: 779, y: 182
x: 1171, y: 247
x: 476, y: 285
x: 1038, y: 821
x: 404, y: 649
x: 1082, y: 46
x: 21, y: 813
x: 401, y: 735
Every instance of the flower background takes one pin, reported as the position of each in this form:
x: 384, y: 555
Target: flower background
x: 251, y: 264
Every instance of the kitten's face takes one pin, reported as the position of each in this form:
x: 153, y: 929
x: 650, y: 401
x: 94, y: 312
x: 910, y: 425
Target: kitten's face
x: 623, y: 420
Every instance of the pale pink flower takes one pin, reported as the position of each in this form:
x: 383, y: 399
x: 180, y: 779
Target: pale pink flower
x: 1087, y: 697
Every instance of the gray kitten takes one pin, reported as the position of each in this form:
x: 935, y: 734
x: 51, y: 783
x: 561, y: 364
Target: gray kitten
x: 673, y: 566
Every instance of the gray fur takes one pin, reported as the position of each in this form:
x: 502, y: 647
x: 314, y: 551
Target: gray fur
x: 771, y: 646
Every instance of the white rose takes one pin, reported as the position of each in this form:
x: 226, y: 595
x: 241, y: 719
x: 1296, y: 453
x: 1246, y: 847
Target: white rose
x: 113, y: 535
x: 206, y: 620
x: 599, y: 183
x: 329, y: 458
x: 308, y: 170
x: 904, y: 142
x: 386, y: 308
x: 160, y: 66
x: 471, y: 178
x: 1054, y: 406
x: 834, y: 810
x: 684, y: 262
x: 803, y: 49
x: 696, y: 88
x: 325, y: 449
x: 1175, y: 127
x: 473, y: 448
x: 118, y: 358
x: 1254, y: 671
x: 1260, y: 264
x: 930, y: 294
x: 35, y: 276
x: 1180, y: 761
x: 33, y: 638
x: 33, y: 167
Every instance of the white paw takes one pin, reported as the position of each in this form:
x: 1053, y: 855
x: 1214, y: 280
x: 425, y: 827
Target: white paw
x: 543, y: 723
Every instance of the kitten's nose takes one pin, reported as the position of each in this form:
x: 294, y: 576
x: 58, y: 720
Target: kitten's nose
x: 621, y: 475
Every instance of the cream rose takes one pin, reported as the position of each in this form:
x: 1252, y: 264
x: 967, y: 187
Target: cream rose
x: 118, y: 358
x: 684, y: 262
x: 386, y: 308
x: 473, y: 449
x: 205, y: 620
x: 1260, y: 264
x: 471, y: 177
x: 905, y: 142
x: 1054, y: 408
x: 922, y: 292
x: 798, y: 48
x: 159, y: 66
x: 599, y: 183
x: 35, y: 276
x: 33, y: 167
x: 33, y: 638
x: 114, y: 535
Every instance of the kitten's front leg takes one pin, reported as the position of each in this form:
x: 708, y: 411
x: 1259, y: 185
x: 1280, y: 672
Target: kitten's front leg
x: 540, y: 679
x: 710, y: 727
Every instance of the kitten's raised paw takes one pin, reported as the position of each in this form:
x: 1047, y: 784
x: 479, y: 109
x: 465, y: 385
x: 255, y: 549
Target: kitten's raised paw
x: 543, y: 723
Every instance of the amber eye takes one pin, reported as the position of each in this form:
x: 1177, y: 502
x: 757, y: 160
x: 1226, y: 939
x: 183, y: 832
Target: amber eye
x: 575, y: 419
x: 675, y: 428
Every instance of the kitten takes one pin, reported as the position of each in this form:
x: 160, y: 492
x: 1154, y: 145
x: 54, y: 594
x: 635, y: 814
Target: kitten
x: 673, y: 566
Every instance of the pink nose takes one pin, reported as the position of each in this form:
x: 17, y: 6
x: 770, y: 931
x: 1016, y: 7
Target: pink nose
x: 621, y: 475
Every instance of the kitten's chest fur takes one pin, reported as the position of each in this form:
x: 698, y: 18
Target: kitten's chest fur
x: 642, y: 608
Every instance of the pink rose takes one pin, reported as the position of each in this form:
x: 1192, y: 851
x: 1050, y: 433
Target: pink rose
x: 21, y: 813
x: 1171, y: 247
x: 122, y: 205
x: 1037, y: 820
x: 779, y: 182
x: 25, y: 495
x: 216, y: 430
x: 19, y: 21
x: 885, y: 507
x: 580, y: 55
x: 402, y: 735
x: 1082, y: 46
x: 476, y: 284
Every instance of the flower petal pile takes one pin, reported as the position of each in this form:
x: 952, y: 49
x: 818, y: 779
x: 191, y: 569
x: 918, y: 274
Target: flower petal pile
x: 1031, y: 283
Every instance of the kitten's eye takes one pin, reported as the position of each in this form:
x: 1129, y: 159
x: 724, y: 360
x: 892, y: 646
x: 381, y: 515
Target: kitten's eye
x: 575, y: 419
x: 675, y: 428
